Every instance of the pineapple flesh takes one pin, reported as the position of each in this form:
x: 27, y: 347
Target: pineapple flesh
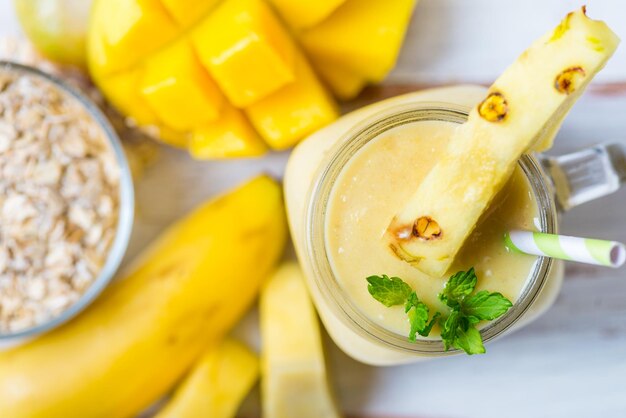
x: 522, y: 112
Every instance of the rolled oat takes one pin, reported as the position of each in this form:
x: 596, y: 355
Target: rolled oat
x: 59, y: 200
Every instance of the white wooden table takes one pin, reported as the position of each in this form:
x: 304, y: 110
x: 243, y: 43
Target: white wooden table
x: 569, y: 363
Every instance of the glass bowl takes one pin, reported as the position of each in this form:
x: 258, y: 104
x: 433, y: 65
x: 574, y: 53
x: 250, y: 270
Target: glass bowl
x: 125, y: 216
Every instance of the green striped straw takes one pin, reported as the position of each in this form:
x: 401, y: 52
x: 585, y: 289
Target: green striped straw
x: 582, y: 250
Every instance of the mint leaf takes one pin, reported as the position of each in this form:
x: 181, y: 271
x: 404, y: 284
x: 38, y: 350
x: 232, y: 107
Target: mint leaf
x: 469, y: 340
x: 417, y: 312
x: 486, y: 306
x: 418, y: 315
x: 389, y: 291
x: 449, y: 327
x: 458, y: 287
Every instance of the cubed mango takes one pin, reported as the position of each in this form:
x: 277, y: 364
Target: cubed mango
x: 187, y: 12
x: 304, y: 14
x: 294, y: 111
x: 178, y: 88
x: 246, y: 49
x: 344, y: 83
x: 364, y: 36
x: 231, y: 135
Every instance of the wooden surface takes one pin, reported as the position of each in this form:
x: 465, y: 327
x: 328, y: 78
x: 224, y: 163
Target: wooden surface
x: 569, y: 363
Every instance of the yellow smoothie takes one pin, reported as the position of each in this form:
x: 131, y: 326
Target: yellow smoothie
x: 378, y: 180
x: 370, y: 188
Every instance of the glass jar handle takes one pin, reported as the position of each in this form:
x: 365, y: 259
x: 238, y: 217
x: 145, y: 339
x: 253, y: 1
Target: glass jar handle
x: 588, y: 174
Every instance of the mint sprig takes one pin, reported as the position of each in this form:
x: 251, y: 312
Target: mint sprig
x: 393, y: 291
x: 458, y: 328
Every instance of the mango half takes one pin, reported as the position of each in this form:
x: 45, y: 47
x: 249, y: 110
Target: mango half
x: 227, y: 78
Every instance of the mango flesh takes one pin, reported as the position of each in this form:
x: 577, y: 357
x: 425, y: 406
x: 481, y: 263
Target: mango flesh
x: 294, y: 381
x: 137, y: 58
x: 523, y: 109
x: 363, y: 36
x: 231, y: 135
x: 178, y: 89
x: 216, y: 385
x: 246, y: 50
x: 179, y: 297
x: 295, y: 111
x: 304, y: 14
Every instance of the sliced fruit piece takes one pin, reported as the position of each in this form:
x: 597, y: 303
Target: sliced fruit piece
x: 187, y: 12
x: 140, y: 337
x: 344, y: 83
x: 293, y: 112
x: 364, y: 36
x: 179, y: 90
x: 303, y: 14
x: 294, y: 380
x: 130, y: 30
x: 246, y: 49
x: 525, y: 103
x: 228, y: 137
x: 121, y: 90
x: 217, y: 384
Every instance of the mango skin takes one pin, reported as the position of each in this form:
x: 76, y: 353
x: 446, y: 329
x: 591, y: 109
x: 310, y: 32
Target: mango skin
x: 181, y: 295
x: 217, y: 385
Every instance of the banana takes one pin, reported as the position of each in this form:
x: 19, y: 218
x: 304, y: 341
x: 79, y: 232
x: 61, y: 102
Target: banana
x: 294, y: 382
x: 217, y: 384
x: 523, y: 109
x: 140, y: 337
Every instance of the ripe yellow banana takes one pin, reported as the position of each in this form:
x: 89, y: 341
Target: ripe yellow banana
x: 140, y: 337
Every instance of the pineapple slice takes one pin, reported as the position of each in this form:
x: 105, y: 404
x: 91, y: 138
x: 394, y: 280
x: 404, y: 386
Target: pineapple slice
x: 304, y: 14
x: 217, y: 384
x: 363, y: 36
x: 293, y: 112
x: 294, y: 383
x: 179, y: 90
x: 523, y: 108
x: 246, y: 49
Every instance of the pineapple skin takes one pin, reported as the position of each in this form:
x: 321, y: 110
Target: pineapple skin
x: 522, y: 113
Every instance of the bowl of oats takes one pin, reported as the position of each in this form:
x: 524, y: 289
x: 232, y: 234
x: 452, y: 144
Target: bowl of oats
x: 66, y: 202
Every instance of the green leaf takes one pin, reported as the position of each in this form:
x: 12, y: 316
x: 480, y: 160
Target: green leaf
x: 486, y: 306
x: 449, y: 327
x: 426, y: 331
x: 458, y: 287
x: 389, y: 291
x: 418, y: 315
x: 469, y: 340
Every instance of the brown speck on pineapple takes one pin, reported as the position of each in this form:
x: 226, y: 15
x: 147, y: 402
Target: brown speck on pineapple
x: 426, y: 228
x: 494, y: 108
x: 569, y: 80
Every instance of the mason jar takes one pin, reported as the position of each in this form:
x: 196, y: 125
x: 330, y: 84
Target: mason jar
x: 557, y: 184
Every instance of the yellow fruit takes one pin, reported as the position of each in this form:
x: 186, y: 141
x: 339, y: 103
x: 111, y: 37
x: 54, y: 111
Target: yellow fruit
x: 127, y: 31
x: 344, y: 83
x: 295, y: 111
x: 57, y: 28
x: 228, y: 137
x: 187, y: 12
x: 526, y: 103
x: 294, y: 380
x: 363, y: 36
x: 179, y: 90
x: 246, y: 50
x: 217, y: 384
x: 140, y: 337
x: 303, y: 14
